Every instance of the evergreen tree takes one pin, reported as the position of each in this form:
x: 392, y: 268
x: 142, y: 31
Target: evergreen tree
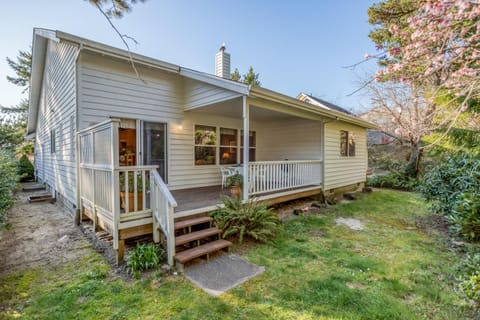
x: 22, y: 68
x: 251, y: 78
x: 236, y: 76
x: 13, y: 119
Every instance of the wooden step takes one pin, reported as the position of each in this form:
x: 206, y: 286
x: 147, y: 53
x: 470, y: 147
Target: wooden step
x: 34, y: 187
x: 191, y: 222
x: 197, y: 235
x: 202, y: 250
x: 40, y: 198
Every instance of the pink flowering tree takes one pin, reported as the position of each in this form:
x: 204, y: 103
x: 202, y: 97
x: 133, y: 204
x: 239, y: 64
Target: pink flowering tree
x: 439, y: 45
x: 428, y: 51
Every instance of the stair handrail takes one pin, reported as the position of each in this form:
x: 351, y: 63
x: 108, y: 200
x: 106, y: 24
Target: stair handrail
x: 163, y: 204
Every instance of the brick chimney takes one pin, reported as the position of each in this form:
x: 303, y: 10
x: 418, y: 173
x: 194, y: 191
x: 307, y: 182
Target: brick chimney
x: 222, y: 63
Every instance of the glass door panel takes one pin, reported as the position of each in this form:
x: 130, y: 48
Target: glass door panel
x: 155, y: 146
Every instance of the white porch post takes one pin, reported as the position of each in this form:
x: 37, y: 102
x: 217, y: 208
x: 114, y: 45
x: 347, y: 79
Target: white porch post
x: 246, y: 138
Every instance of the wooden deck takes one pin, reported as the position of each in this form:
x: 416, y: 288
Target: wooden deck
x: 200, y: 200
x: 191, y: 199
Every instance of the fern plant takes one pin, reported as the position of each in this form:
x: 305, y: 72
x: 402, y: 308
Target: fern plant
x: 250, y: 219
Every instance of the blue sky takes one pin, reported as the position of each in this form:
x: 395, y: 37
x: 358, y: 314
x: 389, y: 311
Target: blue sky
x: 294, y: 45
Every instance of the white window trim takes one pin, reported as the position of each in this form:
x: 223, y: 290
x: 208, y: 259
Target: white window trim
x: 217, y: 145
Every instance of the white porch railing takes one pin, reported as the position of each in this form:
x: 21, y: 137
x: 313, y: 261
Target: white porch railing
x: 163, y: 205
x: 121, y: 197
x: 272, y: 176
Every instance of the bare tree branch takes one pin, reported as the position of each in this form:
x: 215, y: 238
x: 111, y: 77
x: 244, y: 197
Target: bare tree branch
x: 123, y: 37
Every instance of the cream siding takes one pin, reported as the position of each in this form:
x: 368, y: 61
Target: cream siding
x: 56, y: 109
x: 293, y: 139
x: 199, y: 94
x: 343, y: 171
x: 109, y: 88
x: 183, y: 173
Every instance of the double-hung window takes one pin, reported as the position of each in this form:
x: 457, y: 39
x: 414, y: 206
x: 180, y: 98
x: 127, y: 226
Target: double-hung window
x: 347, y: 143
x: 228, y: 146
x: 252, y: 145
x: 205, y: 145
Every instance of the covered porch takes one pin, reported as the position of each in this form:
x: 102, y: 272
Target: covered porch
x: 279, y: 153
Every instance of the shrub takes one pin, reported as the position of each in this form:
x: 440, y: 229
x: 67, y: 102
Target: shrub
x: 25, y: 169
x: 144, y: 257
x: 453, y: 188
x: 471, y: 286
x: 469, y: 276
x: 392, y: 180
x: 8, y: 182
x: 250, y: 219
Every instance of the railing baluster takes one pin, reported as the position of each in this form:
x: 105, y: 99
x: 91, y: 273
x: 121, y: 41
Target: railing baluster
x: 127, y: 204
x: 135, y: 191
x: 270, y: 176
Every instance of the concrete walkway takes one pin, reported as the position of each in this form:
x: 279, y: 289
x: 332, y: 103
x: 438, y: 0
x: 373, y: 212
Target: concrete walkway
x: 222, y: 273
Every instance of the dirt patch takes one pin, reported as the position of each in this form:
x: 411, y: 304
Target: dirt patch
x: 41, y: 235
x: 294, y: 208
x: 44, y: 235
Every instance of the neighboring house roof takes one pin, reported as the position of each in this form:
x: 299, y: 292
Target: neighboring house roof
x: 322, y: 103
x: 42, y: 36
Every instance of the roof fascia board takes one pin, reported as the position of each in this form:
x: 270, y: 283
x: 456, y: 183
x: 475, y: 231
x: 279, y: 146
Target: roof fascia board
x: 120, y: 53
x: 332, y: 114
x: 216, y: 81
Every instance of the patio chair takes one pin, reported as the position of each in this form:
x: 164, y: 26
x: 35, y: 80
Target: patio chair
x: 226, y: 172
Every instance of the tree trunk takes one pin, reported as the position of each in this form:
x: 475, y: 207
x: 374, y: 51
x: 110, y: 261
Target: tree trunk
x: 413, y: 164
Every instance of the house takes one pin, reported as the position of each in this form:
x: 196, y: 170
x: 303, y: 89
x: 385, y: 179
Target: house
x: 136, y: 144
x: 383, y: 118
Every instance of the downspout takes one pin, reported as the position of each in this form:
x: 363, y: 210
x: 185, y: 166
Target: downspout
x: 78, y: 211
x: 322, y: 155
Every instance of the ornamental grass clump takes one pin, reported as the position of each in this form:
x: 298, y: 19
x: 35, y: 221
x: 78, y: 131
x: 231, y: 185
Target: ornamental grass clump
x: 144, y: 257
x: 250, y: 219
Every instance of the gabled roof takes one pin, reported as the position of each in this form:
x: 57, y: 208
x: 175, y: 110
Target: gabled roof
x: 321, y: 103
x: 42, y: 36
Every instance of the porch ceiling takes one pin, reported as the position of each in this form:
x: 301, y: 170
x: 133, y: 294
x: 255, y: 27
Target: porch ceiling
x: 233, y: 108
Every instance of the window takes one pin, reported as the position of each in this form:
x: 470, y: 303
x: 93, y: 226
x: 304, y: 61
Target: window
x: 52, y: 140
x: 252, y: 142
x: 228, y: 146
x: 347, y: 143
x: 205, y: 145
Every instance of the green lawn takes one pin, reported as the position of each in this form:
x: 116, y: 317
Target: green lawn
x: 314, y: 270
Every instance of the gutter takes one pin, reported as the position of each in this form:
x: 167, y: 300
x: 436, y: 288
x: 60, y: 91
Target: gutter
x: 258, y: 92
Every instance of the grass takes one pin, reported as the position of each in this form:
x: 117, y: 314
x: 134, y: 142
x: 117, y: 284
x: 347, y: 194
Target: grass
x: 314, y: 270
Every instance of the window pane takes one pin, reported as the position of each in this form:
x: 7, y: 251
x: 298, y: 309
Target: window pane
x: 252, y: 141
x: 343, y: 143
x: 204, y: 155
x: 154, y: 146
x: 228, y: 155
x: 251, y: 154
x: 228, y: 137
x: 205, y: 135
x: 351, y: 144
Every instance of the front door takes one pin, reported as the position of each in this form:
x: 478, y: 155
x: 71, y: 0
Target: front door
x: 154, y: 140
